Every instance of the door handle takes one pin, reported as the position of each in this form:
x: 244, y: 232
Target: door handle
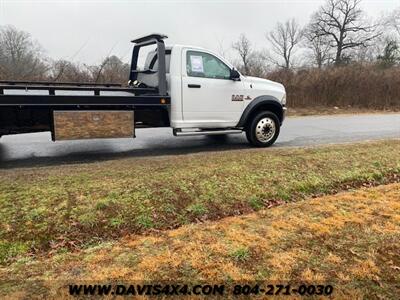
x: 194, y: 86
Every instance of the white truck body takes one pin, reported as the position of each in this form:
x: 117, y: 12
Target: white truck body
x: 211, y: 105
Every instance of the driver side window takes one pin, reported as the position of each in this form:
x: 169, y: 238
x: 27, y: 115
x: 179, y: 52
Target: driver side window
x: 201, y: 64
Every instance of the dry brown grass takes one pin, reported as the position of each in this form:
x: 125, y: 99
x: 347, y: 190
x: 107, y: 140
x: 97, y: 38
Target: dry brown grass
x: 350, y: 240
x: 353, y: 86
x: 324, y: 110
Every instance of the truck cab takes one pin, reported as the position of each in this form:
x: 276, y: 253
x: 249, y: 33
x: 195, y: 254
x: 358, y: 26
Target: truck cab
x: 190, y: 89
x: 209, y: 96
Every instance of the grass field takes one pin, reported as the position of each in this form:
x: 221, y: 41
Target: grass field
x: 349, y: 240
x: 58, y: 219
x: 71, y: 207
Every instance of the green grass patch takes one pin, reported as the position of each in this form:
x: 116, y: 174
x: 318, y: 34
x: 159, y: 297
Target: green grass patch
x: 241, y: 254
x: 256, y: 203
x: 197, y: 208
x: 11, y: 250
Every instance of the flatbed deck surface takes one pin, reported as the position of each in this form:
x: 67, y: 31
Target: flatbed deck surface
x: 54, y: 94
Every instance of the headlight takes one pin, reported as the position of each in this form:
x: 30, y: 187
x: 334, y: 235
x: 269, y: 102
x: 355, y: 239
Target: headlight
x: 283, y: 101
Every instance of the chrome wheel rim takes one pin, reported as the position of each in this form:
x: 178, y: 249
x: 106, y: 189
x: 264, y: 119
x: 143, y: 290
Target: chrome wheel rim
x: 265, y: 130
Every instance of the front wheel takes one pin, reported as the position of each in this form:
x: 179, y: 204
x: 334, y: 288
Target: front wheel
x: 263, y: 129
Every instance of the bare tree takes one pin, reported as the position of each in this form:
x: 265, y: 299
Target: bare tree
x: 116, y: 71
x: 284, y: 39
x: 390, y: 55
x: 384, y: 47
x: 58, y: 69
x: 20, y: 56
x: 258, y: 64
x: 243, y: 47
x: 394, y: 20
x: 111, y: 70
x: 223, y: 51
x: 319, y: 48
x: 343, y: 23
x: 64, y: 70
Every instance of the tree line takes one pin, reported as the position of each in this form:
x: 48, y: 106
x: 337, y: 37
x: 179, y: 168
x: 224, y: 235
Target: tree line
x: 22, y: 58
x: 339, y: 58
x: 339, y: 33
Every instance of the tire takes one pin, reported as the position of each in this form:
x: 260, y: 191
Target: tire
x: 263, y: 129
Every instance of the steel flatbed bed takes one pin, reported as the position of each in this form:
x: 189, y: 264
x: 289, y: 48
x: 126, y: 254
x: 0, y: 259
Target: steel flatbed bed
x: 51, y: 95
x: 32, y: 106
x: 96, y: 94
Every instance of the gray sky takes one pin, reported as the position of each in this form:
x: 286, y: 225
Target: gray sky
x: 97, y: 27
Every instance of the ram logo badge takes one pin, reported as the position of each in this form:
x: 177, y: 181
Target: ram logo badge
x: 237, y: 97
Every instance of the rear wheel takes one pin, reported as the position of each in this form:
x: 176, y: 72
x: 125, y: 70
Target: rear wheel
x: 263, y: 129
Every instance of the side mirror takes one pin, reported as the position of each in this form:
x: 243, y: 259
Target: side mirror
x: 235, y: 75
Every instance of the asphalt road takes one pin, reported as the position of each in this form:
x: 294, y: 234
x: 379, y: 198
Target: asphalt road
x: 37, y: 149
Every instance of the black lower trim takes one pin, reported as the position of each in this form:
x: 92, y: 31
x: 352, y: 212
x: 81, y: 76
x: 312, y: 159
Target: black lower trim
x: 66, y: 100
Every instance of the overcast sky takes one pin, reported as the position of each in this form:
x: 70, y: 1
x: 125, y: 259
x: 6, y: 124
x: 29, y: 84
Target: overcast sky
x: 87, y: 30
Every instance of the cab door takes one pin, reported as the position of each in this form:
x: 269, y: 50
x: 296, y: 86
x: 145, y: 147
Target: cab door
x: 210, y: 99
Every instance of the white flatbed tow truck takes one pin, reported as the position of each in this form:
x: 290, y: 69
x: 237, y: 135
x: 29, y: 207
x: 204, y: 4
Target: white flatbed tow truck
x: 190, y: 89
